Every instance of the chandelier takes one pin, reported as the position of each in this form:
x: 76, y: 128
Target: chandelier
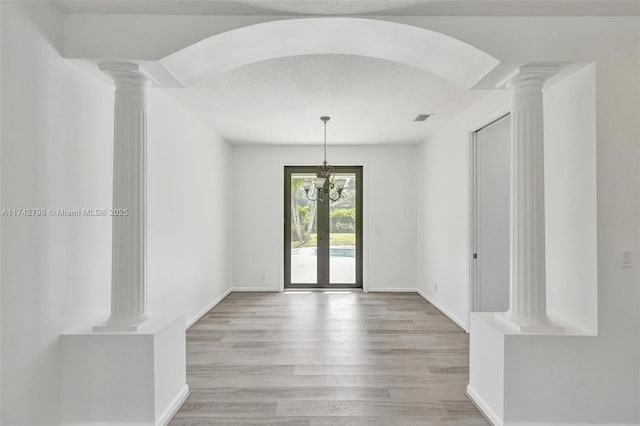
x: 325, y: 185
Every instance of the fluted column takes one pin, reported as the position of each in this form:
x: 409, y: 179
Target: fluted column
x: 528, y: 299
x: 129, y: 239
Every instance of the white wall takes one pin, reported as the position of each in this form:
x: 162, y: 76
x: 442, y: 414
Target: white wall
x: 443, y: 209
x: 389, y: 212
x: 618, y: 150
x: 570, y: 197
x: 57, y: 139
x: 189, y: 210
x: 56, y: 135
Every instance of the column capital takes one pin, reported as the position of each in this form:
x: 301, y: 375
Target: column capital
x: 541, y: 73
x: 125, y: 73
x: 119, y: 70
x: 118, y: 66
x: 130, y: 82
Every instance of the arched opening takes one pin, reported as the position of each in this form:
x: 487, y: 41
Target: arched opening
x: 442, y: 55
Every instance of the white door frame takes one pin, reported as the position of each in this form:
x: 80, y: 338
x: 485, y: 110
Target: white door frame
x: 365, y: 220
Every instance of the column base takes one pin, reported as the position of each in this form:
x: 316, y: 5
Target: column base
x: 527, y: 326
x: 518, y: 379
x: 123, y: 326
x: 124, y: 378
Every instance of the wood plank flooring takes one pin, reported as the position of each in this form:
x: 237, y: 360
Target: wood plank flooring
x: 315, y: 359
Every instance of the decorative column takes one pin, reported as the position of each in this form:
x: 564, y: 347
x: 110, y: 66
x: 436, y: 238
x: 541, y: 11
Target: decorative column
x: 527, y: 283
x: 129, y: 239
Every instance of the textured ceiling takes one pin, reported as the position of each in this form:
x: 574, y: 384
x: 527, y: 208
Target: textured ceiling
x: 362, y: 7
x: 279, y: 101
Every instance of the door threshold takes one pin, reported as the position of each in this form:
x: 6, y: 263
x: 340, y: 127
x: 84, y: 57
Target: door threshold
x: 332, y: 289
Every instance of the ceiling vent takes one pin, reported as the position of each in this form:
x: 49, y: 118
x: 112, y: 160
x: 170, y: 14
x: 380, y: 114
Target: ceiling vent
x: 422, y: 117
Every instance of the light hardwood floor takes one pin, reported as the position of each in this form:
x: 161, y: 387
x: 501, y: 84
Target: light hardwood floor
x: 388, y: 359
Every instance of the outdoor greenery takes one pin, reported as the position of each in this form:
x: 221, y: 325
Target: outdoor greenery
x: 342, y: 216
x: 345, y: 239
x: 343, y: 220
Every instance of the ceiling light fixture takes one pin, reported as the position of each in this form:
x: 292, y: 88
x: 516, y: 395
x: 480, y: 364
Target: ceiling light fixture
x: 325, y: 181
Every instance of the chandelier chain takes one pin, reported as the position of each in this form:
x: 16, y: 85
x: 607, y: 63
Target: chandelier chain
x: 325, y: 142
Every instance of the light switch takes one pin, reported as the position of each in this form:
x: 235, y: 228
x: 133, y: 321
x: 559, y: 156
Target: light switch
x: 626, y: 258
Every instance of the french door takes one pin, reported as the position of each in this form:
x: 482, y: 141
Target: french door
x: 322, y: 238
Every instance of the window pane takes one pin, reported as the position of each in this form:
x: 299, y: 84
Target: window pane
x: 304, y: 243
x: 342, y: 233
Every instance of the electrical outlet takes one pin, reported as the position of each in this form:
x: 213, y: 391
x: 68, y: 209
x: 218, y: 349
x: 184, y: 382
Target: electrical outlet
x: 435, y: 287
x: 263, y: 276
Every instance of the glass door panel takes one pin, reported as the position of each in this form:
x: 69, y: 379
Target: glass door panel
x: 303, y: 235
x: 342, y: 233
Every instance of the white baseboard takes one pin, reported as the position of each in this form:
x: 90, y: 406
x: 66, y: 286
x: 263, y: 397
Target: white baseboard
x: 444, y: 310
x: 221, y: 297
x: 269, y: 289
x: 99, y: 424
x: 207, y: 308
x: 568, y: 424
x: 173, y: 407
x: 392, y: 290
x: 163, y: 419
x: 495, y: 420
x: 484, y: 408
